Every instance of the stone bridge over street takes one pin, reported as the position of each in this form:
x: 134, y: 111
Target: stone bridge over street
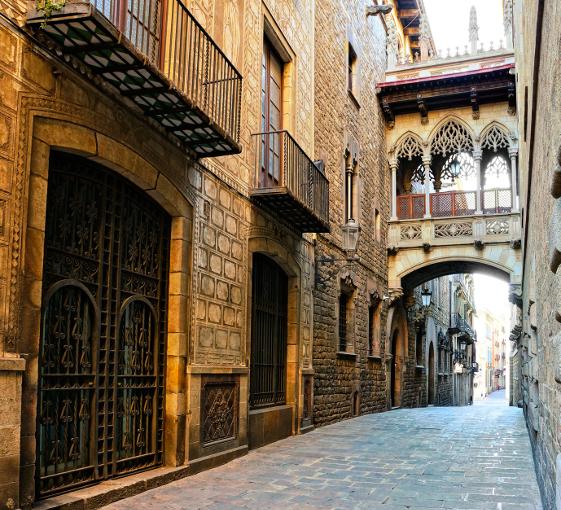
x: 423, y: 249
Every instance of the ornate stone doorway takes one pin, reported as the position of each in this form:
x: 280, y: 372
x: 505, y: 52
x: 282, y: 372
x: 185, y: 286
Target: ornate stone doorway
x: 103, y: 328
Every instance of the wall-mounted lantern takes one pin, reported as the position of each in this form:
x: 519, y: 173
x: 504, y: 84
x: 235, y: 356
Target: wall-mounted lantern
x: 351, y: 232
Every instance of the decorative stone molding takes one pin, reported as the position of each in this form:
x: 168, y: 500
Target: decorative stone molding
x: 446, y: 231
x: 394, y: 295
x: 347, y: 280
x: 451, y: 137
x: 495, y: 137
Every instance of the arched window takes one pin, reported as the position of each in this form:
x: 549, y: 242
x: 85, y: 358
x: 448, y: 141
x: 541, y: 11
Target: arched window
x: 458, y: 171
x: 497, y: 195
x: 497, y: 174
x: 451, y: 138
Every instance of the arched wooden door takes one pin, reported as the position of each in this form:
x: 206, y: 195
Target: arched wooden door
x: 269, y: 328
x: 103, y: 331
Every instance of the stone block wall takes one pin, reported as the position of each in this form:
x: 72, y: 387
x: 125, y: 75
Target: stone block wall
x: 353, y: 123
x: 537, y: 26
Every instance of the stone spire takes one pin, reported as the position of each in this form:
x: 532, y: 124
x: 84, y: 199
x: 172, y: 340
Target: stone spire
x: 507, y: 20
x: 392, y: 44
x: 473, y: 29
x: 424, y: 37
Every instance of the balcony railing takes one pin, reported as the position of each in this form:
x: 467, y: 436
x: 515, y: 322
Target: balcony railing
x: 496, y: 201
x: 459, y: 326
x: 289, y: 183
x: 157, y: 54
x: 454, y: 203
x: 410, y: 206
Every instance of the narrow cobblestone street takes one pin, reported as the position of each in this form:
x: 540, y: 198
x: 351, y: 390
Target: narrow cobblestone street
x: 475, y: 457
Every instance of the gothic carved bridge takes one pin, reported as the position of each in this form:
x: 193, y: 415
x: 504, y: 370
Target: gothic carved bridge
x: 423, y: 249
x: 452, y: 143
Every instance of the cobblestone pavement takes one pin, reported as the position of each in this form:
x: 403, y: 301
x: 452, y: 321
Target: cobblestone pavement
x: 474, y: 457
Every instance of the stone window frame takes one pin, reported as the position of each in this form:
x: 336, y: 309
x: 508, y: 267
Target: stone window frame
x: 377, y: 220
x: 52, y: 131
x: 276, y: 39
x: 350, y: 175
x: 351, y: 206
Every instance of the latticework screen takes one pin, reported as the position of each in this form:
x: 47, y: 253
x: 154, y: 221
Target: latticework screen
x: 497, y: 201
x: 453, y: 203
x: 410, y: 206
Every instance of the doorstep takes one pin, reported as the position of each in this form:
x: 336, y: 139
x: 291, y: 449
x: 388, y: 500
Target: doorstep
x: 109, y: 491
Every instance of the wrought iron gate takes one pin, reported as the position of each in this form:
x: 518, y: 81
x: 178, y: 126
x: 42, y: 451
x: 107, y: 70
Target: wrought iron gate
x: 102, y: 354
x: 268, y: 334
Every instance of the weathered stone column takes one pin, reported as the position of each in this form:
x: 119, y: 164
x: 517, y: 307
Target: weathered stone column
x: 477, y: 153
x: 393, y: 167
x: 426, y: 166
x: 513, y: 153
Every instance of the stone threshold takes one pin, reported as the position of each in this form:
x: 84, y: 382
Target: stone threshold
x: 109, y: 491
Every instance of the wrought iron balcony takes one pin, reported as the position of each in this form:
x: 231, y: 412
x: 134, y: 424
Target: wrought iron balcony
x: 289, y: 183
x: 459, y: 326
x: 157, y: 54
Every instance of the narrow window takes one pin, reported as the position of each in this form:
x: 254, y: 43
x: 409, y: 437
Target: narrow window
x: 371, y: 326
x: 343, y: 320
x: 350, y: 191
x: 271, y: 115
x: 377, y: 225
x: 374, y: 330
x: 351, y: 70
x: 419, y: 348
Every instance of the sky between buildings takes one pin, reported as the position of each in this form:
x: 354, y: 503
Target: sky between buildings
x: 449, y: 22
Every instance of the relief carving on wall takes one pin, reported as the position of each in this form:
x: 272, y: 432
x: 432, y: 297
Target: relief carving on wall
x: 219, y: 411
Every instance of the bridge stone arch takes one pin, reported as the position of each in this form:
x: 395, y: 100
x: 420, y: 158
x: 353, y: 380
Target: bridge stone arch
x: 410, y: 268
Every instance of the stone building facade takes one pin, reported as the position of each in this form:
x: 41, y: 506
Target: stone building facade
x: 60, y: 120
x: 176, y: 287
x: 536, y: 333
x: 353, y: 357
x: 492, y: 353
x: 350, y: 373
x: 444, y: 340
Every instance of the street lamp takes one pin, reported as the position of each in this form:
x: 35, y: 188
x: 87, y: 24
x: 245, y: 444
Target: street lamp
x: 463, y: 344
x: 426, y: 295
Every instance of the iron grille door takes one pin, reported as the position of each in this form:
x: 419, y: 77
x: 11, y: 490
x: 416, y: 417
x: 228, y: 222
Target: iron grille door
x: 268, y: 334
x: 101, y: 386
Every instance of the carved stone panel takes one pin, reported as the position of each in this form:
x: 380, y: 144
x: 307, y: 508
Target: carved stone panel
x: 219, y: 410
